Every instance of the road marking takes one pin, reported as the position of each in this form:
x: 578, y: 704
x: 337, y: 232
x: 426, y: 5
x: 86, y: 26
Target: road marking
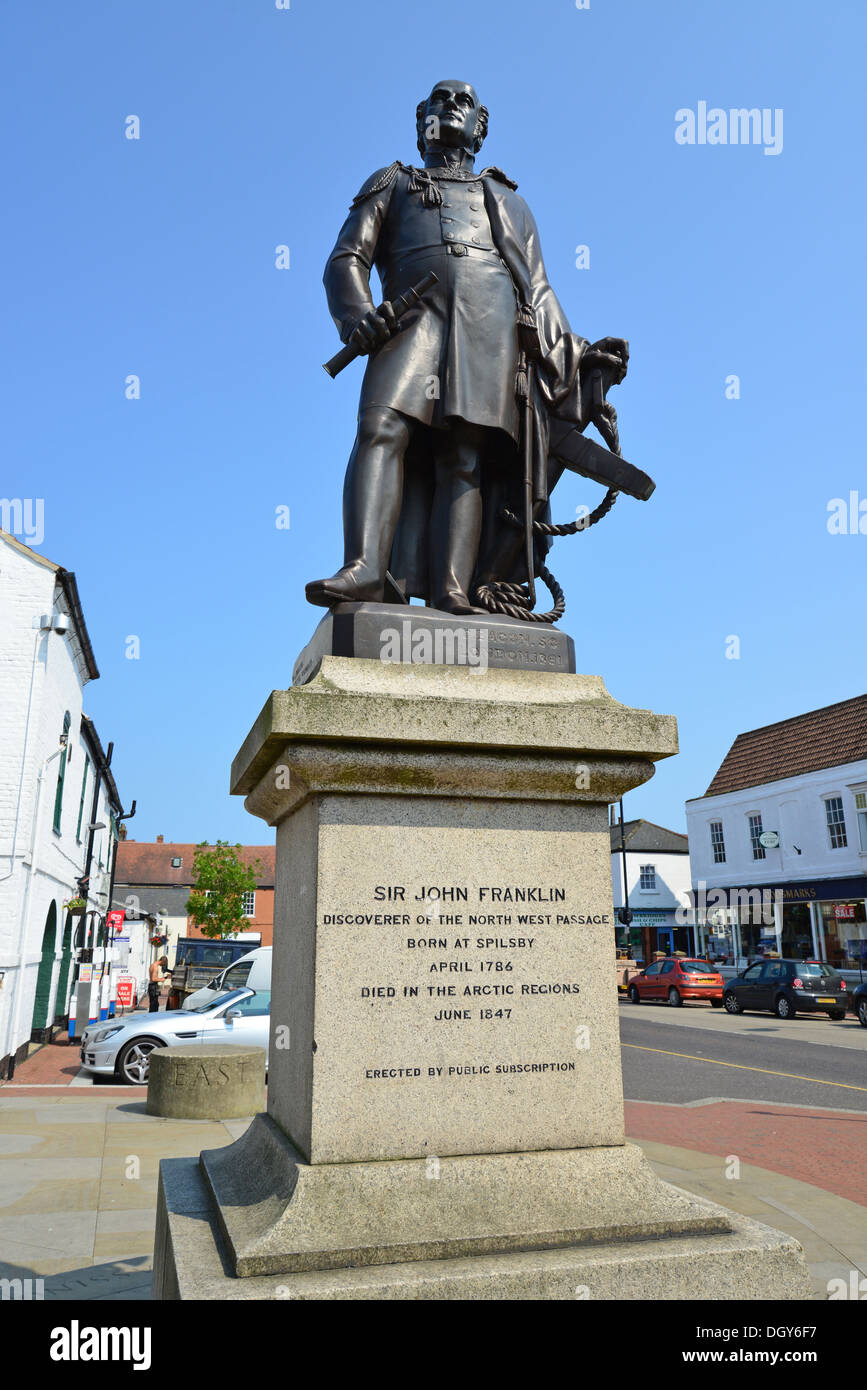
x: 738, y: 1066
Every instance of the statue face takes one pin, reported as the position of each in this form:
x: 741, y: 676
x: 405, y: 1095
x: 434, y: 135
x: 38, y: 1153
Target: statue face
x: 451, y: 115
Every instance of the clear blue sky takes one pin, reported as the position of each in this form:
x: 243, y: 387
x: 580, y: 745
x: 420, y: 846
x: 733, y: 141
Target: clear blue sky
x: 156, y: 257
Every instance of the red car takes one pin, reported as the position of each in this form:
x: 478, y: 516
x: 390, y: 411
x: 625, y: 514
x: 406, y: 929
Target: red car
x: 674, y: 980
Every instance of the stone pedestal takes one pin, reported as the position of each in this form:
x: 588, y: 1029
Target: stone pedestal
x: 445, y: 1111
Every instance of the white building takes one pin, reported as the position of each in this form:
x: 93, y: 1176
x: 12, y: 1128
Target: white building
x: 778, y: 842
x: 59, y: 805
x: 658, y: 885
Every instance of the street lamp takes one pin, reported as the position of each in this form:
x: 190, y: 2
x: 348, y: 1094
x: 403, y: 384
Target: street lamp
x: 624, y: 913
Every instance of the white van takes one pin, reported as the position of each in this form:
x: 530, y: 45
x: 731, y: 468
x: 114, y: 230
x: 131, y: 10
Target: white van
x: 252, y: 970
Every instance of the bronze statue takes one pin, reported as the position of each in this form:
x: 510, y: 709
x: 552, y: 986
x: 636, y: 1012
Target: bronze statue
x: 476, y: 391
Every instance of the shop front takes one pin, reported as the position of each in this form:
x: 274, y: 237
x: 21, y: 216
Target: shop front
x: 815, y: 920
x: 660, y: 928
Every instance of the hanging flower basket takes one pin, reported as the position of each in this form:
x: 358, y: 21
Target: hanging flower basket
x: 158, y: 940
x: 76, y: 907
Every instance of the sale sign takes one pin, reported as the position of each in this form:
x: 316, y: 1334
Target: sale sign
x: 125, y: 991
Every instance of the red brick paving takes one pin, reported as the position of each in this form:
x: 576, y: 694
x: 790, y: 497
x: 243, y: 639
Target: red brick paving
x: 79, y: 1093
x: 54, y: 1064
x: 825, y: 1148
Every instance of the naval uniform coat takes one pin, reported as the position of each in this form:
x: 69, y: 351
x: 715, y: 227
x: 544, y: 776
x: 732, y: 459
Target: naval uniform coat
x: 456, y: 351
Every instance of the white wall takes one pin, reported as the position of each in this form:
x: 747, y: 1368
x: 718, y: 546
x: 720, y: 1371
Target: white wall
x: 41, y: 677
x: 795, y: 807
x: 672, y: 880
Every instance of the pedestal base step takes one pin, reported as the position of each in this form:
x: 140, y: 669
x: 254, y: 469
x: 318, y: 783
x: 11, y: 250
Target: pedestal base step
x: 668, y: 1245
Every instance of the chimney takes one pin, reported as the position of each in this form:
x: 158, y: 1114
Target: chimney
x: 159, y: 839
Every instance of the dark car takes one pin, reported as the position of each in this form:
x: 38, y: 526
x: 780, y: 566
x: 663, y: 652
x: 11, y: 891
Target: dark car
x: 787, y: 987
x: 858, y: 1003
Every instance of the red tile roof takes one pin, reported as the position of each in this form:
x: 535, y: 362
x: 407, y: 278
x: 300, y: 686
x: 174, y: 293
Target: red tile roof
x: 828, y: 737
x: 141, y: 865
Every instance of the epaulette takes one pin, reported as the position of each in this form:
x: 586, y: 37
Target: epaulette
x: 375, y: 184
x: 492, y: 172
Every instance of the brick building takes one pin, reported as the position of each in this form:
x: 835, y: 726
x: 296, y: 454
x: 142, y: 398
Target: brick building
x: 157, y: 877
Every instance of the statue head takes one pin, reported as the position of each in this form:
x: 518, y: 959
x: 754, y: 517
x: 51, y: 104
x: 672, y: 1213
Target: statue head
x: 452, y: 117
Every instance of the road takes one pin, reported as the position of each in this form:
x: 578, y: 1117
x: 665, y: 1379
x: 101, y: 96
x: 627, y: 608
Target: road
x: 697, y: 1053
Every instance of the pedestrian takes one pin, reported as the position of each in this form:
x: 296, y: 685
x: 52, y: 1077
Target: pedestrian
x: 155, y: 979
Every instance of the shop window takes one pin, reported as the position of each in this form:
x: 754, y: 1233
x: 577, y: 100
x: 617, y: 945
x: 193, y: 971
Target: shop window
x: 844, y: 931
x: 836, y: 822
x: 717, y: 842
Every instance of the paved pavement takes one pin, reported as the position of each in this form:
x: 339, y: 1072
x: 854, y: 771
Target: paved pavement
x: 79, y: 1163
x: 50, y: 1064
x: 832, y: 1229
x: 78, y: 1186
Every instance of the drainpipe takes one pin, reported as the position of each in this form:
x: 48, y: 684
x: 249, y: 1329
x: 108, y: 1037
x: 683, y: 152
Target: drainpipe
x: 128, y: 815
x: 91, y: 833
x: 99, y: 770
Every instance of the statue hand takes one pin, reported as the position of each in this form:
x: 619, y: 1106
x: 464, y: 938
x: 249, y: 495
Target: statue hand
x: 610, y: 352
x: 373, y: 330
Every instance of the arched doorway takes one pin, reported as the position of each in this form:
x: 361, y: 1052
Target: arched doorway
x: 39, y: 1028
x: 61, y: 1007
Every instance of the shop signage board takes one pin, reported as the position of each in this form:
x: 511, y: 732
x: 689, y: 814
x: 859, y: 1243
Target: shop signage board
x: 125, y: 991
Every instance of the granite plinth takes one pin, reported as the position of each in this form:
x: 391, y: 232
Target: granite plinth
x: 444, y: 922
x: 445, y: 1109
x: 394, y: 632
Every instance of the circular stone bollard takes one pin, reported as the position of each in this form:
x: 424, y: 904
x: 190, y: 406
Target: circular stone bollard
x: 215, y: 1082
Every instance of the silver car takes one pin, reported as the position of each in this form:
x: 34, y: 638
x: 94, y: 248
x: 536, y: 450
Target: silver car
x: 122, y: 1047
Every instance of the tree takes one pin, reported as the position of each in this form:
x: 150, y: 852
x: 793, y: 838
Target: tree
x: 216, y: 902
